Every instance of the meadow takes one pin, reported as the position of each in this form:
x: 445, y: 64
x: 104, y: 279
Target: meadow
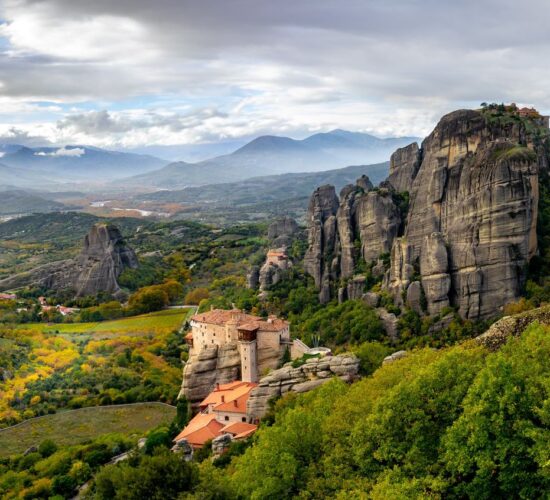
x: 78, y: 426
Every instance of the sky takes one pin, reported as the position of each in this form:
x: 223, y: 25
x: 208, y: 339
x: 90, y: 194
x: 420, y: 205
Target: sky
x: 131, y: 73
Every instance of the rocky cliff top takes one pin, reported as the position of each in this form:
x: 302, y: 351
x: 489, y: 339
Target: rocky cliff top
x: 103, y: 257
x: 466, y: 232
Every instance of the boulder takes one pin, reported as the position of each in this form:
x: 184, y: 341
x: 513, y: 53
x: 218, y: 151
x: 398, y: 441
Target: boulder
x: 394, y: 357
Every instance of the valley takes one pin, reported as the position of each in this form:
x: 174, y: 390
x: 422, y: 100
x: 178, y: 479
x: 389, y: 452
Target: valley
x: 266, y: 312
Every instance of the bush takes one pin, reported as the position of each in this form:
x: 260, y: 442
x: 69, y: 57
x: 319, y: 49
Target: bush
x: 195, y: 296
x: 47, y: 448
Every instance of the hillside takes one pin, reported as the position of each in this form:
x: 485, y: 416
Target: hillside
x: 21, y: 202
x: 267, y: 155
x: 272, y: 188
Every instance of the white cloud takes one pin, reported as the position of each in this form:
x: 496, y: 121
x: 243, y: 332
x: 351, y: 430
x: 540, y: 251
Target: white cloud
x: 169, y: 72
x: 74, y: 152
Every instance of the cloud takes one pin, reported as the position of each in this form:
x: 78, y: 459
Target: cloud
x: 73, y: 152
x: 150, y: 72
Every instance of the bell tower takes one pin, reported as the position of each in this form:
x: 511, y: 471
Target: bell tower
x: 249, y: 354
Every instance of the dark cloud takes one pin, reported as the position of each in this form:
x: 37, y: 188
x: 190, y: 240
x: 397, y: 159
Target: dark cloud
x: 310, y: 62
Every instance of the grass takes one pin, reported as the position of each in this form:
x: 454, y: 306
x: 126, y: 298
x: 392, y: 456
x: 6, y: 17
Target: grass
x: 169, y: 318
x: 77, y: 426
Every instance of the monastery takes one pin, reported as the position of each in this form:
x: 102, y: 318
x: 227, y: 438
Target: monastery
x: 258, y: 339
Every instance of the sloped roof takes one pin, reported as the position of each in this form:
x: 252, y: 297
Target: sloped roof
x: 236, y: 405
x: 221, y: 317
x: 227, y: 392
x: 239, y: 429
x: 200, y: 429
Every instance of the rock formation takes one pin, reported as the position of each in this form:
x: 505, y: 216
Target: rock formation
x: 103, y: 257
x: 319, y: 260
x: 208, y: 367
x: 313, y: 373
x: 404, y: 164
x: 282, y: 231
x: 512, y: 326
x: 470, y: 228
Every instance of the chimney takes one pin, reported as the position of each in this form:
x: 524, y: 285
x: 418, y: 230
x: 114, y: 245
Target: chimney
x: 217, y: 386
x: 223, y: 398
x: 211, y: 307
x: 235, y: 403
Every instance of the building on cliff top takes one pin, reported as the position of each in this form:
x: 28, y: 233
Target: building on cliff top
x: 223, y: 411
x: 252, y: 334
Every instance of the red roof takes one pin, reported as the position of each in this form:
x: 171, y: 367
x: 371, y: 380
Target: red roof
x: 202, y: 428
x: 239, y: 429
x: 226, y: 393
x: 221, y: 317
x: 237, y: 405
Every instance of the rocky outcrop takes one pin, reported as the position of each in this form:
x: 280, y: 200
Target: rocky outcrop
x: 378, y: 221
x: 434, y: 272
x: 253, y: 278
x: 208, y: 367
x: 319, y: 260
x: 469, y: 229
x: 512, y: 326
x: 477, y: 187
x: 404, y: 164
x: 282, y: 231
x: 313, y: 373
x: 362, y: 223
x: 103, y: 257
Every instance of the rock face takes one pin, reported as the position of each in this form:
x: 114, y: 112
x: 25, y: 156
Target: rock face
x: 404, y: 164
x: 470, y: 227
x: 477, y: 190
x: 322, y: 238
x: 312, y: 374
x: 378, y: 221
x: 103, y: 257
x: 208, y: 367
x: 282, y: 231
x: 361, y: 223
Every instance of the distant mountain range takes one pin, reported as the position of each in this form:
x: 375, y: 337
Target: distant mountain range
x: 22, y: 202
x: 268, y: 155
x: 25, y: 167
x: 271, y: 188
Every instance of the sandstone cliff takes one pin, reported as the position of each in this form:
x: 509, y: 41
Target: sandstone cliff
x: 470, y: 227
x: 313, y: 373
x: 103, y: 257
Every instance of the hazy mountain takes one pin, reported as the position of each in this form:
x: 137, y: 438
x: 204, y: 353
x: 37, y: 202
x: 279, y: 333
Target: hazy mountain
x: 78, y: 163
x: 189, y: 152
x: 22, y: 202
x: 272, y: 188
x: 267, y: 155
x: 17, y: 177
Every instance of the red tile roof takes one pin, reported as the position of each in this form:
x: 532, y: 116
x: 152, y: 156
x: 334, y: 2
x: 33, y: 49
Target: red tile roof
x: 202, y: 428
x: 239, y: 429
x: 227, y: 393
x: 221, y: 317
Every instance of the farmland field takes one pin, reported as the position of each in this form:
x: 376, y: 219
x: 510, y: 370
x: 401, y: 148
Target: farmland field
x: 77, y: 426
x: 144, y: 323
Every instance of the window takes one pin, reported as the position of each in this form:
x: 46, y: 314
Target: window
x: 243, y: 419
x: 226, y: 418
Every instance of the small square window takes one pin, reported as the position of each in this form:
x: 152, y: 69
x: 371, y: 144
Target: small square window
x: 243, y: 419
x: 226, y: 418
